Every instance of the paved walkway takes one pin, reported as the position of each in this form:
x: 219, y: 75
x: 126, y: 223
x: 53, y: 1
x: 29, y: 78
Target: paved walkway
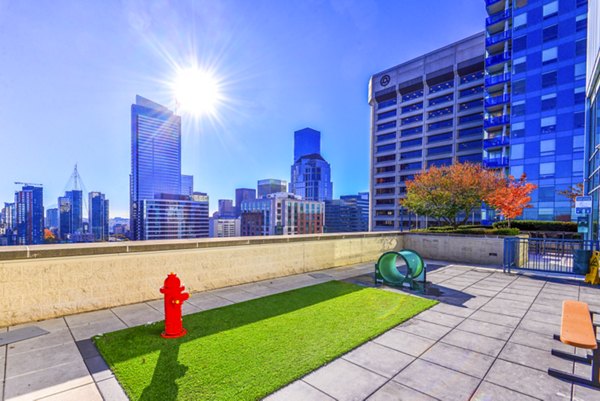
x: 488, y: 339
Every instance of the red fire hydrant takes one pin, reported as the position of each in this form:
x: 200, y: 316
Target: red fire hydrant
x: 174, y: 298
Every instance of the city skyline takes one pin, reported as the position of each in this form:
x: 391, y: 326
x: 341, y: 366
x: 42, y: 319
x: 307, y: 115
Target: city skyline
x: 280, y: 85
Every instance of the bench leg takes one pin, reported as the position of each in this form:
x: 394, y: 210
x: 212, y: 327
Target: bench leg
x: 593, y: 382
x: 565, y: 355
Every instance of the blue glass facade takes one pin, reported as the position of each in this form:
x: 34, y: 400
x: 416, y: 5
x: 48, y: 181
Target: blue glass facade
x: 307, y: 141
x: 534, y: 97
x: 29, y: 215
x: 98, y: 216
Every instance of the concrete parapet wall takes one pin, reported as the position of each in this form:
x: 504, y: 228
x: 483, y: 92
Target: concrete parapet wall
x: 42, y: 282
x: 457, y: 248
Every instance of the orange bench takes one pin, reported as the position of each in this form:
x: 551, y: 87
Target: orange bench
x: 578, y: 329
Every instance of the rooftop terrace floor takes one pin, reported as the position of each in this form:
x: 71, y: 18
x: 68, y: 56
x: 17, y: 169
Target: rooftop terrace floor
x: 488, y: 339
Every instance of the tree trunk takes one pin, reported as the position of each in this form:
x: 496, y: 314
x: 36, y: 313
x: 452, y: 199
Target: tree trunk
x: 508, y: 222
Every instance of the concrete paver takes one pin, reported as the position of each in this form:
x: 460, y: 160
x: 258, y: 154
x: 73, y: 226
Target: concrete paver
x: 488, y: 339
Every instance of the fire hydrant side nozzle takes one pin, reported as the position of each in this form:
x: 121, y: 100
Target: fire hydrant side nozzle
x: 174, y: 298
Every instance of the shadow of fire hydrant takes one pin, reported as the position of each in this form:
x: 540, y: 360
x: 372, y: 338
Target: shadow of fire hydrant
x: 164, y: 381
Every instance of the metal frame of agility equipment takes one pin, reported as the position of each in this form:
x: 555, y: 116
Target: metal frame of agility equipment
x: 386, y: 271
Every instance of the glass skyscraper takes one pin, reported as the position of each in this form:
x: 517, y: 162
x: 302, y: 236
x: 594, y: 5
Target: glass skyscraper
x: 310, y: 173
x: 160, y: 206
x: 270, y: 186
x: 98, y: 216
x: 29, y: 215
x: 242, y: 194
x: 534, y: 97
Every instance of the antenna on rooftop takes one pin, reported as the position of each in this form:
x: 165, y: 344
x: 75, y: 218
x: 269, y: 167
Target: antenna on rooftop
x: 75, y: 183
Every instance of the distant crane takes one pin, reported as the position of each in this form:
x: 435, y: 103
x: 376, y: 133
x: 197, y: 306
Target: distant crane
x: 29, y: 183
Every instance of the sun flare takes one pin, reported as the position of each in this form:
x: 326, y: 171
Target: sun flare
x: 197, y: 91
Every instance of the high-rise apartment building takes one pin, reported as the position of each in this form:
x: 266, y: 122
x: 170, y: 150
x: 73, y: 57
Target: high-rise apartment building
x: 281, y: 214
x: 65, y: 217
x: 29, y: 215
x: 424, y: 112
x: 52, y: 218
x: 98, y: 216
x: 242, y: 194
x: 271, y: 186
x: 76, y: 198
x: 224, y: 227
x: 535, y: 70
x: 187, y: 185
x: 160, y: 206
x: 226, y: 209
x: 310, y: 173
x: 592, y: 131
x: 8, y: 216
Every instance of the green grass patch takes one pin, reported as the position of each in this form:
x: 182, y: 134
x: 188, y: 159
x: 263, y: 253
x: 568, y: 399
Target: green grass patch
x: 248, y: 350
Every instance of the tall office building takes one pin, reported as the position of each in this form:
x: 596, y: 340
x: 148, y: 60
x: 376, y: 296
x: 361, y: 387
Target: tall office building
x: 592, y: 131
x: 226, y: 209
x: 307, y: 141
x: 64, y: 218
x: 271, y: 186
x: 76, y: 198
x: 98, y: 216
x: 310, y: 173
x: 535, y: 97
x: 242, y: 194
x: 350, y: 213
x: 281, y: 214
x: 52, y: 218
x: 224, y: 227
x: 160, y: 206
x: 29, y: 215
x: 8, y: 216
x: 425, y: 112
x: 187, y: 185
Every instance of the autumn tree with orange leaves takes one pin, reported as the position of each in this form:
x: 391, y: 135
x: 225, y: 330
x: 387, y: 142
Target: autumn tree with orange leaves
x: 450, y: 193
x: 511, y: 198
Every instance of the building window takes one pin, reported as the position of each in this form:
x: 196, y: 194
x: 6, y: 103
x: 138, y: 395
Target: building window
x: 385, y: 169
x: 386, y: 148
x: 471, y: 91
x: 411, y: 155
x: 471, y: 105
x: 548, y: 125
x: 579, y: 120
x: 472, y: 145
x: 411, y: 143
x: 549, y: 79
x: 441, y: 112
x: 518, y: 108
x: 412, y: 107
x: 518, y: 87
x: 441, y: 99
x: 549, y: 56
x: 516, y: 171
x: 519, y: 43
x: 470, y: 118
x: 578, y: 143
x: 547, y: 147
x: 413, y: 119
x: 411, y: 166
x: 412, y: 95
x: 580, y: 71
x: 546, y: 169
x: 386, y: 158
x: 580, y: 47
x: 385, y: 191
x: 391, y: 124
x: 384, y: 180
x: 518, y: 129
x: 472, y: 77
x: 387, y: 103
x: 476, y: 158
x: 439, y: 150
x: 579, y: 95
x: 404, y: 178
x: 520, y: 3
x: 470, y: 132
x: 439, y: 137
x: 549, y: 101
x: 519, y: 65
x: 582, y: 3
x: 550, y: 9
x: 581, y: 22
x: 387, y: 114
x: 517, y: 151
x: 441, y: 86
x: 439, y: 162
x: 550, y: 33
x: 411, y: 131
x: 440, y: 124
x: 520, y: 21
x: 386, y: 137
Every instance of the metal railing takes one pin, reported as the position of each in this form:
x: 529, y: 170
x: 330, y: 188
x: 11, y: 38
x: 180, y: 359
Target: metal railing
x: 497, y: 38
x: 495, y: 162
x: 496, y: 79
x: 498, y: 120
x: 491, y: 101
x: 493, y: 19
x: 495, y: 142
x: 497, y: 59
x: 548, y: 255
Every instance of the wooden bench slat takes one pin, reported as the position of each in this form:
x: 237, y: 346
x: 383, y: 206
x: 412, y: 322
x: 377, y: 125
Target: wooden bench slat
x: 576, y: 327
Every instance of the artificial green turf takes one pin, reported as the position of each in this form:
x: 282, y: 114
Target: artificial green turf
x: 248, y: 350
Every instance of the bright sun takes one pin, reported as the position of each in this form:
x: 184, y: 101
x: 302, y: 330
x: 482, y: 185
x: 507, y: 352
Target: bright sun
x: 197, y: 91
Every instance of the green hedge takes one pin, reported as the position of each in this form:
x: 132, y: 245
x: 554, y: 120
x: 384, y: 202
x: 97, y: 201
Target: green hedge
x: 537, y: 225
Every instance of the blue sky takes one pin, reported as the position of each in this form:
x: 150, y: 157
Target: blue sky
x: 69, y: 71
